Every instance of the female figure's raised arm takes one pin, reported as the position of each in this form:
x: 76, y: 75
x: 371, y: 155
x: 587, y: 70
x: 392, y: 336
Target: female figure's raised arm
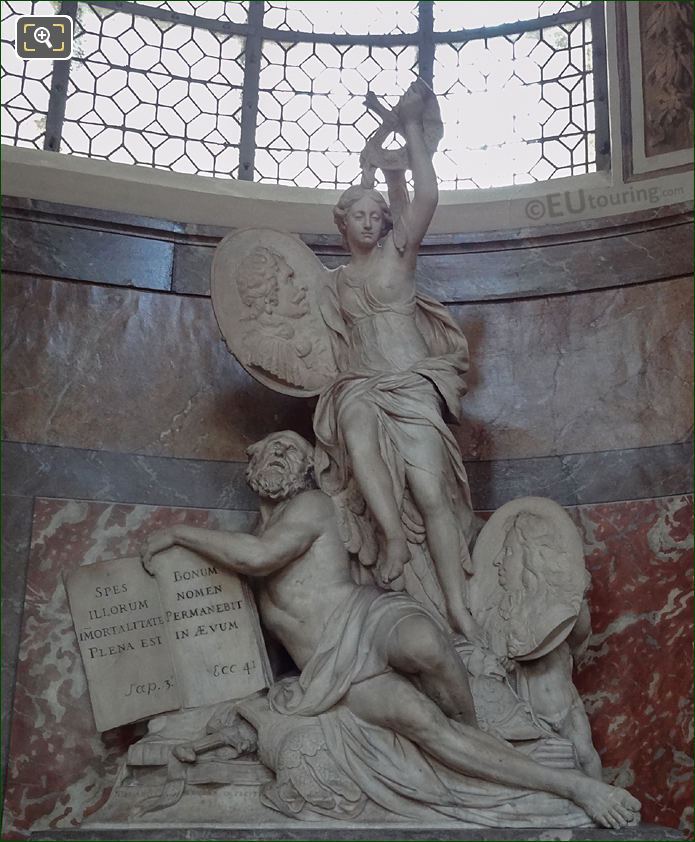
x: 418, y: 214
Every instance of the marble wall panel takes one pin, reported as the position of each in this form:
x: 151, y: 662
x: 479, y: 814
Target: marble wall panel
x: 574, y: 374
x: 16, y: 532
x: 77, y: 243
x: 192, y: 268
x: 140, y: 372
x: 37, y: 470
x: 557, y: 267
x: 636, y: 677
x: 578, y: 478
x: 22, y: 207
x: 466, y: 272
x: 115, y: 369
x: 85, y: 254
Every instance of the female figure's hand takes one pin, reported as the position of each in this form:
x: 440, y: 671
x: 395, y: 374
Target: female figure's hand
x: 412, y: 104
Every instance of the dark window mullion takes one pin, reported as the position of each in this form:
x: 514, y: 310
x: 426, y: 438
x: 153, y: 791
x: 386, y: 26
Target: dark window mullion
x: 249, y: 99
x: 58, y: 97
x: 155, y: 13
x: 514, y: 28
x: 599, y: 70
x: 425, y: 56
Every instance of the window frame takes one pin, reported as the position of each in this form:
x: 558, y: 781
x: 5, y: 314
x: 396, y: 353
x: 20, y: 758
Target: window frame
x: 254, y: 33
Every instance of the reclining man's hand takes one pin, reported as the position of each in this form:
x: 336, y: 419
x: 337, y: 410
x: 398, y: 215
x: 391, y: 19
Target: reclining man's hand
x: 155, y: 543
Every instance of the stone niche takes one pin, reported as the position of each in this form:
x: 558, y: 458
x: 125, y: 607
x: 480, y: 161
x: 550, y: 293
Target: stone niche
x: 96, y: 458
x: 124, y: 413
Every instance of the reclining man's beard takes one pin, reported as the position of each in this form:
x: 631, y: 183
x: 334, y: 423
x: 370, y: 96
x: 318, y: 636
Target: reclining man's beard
x: 275, y: 483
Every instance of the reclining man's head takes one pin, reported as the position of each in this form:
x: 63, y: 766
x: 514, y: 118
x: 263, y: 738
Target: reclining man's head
x: 281, y: 465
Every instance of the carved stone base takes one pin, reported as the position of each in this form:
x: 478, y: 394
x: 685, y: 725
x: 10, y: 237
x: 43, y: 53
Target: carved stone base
x: 341, y: 831
x: 155, y: 787
x: 205, y: 805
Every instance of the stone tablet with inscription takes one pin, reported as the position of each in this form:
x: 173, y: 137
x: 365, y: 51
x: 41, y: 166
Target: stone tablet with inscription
x: 189, y: 636
x: 121, y: 631
x: 213, y: 629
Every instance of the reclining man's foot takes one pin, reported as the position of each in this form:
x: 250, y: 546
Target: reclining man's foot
x: 609, y: 806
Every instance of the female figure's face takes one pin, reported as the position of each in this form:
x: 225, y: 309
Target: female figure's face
x: 363, y: 223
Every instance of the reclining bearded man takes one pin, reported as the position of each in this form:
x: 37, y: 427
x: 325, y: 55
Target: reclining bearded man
x: 379, y: 653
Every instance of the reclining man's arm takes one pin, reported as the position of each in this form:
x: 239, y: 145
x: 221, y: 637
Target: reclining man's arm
x: 239, y: 552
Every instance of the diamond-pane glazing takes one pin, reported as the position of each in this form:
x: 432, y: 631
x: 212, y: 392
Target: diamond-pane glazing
x: 312, y: 121
x: 460, y: 14
x: 233, y: 11
x: 26, y: 85
x: 156, y: 93
x: 516, y: 108
x: 557, y: 7
x: 355, y: 17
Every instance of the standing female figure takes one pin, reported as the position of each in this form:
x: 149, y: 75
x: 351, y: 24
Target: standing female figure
x: 401, y: 359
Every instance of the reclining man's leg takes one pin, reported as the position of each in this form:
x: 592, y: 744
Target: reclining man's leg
x: 391, y: 701
x: 418, y: 647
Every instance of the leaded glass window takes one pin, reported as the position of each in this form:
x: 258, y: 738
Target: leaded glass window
x: 273, y: 91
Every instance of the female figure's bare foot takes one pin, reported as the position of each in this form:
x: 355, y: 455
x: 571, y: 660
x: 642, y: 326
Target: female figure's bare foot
x: 396, y: 556
x: 609, y: 806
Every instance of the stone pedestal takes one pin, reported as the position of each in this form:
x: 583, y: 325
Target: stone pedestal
x: 340, y: 831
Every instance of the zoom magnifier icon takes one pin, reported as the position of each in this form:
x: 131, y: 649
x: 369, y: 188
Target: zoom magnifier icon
x: 43, y: 36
